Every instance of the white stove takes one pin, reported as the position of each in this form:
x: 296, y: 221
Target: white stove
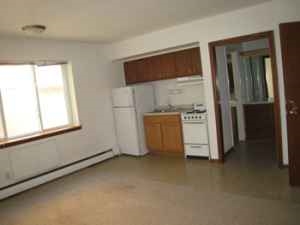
x: 195, y: 133
x: 194, y: 115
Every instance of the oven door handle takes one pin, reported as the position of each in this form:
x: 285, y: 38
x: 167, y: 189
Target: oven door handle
x: 190, y: 122
x: 196, y: 146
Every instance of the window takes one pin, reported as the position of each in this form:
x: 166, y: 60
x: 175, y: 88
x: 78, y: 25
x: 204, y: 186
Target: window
x: 51, y: 91
x: 269, y: 77
x: 19, y: 100
x: 34, y: 99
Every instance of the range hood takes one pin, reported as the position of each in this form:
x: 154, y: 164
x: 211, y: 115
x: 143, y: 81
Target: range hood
x: 192, y: 80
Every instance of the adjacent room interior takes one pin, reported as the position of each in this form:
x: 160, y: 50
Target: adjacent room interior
x: 245, y: 89
x: 150, y: 112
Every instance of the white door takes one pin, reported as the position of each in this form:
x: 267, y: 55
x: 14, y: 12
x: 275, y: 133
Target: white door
x: 223, y: 85
x: 127, y: 132
x: 235, y: 57
x: 123, y: 97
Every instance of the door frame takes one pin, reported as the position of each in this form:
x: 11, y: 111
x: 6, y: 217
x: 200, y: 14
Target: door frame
x: 269, y: 35
x: 293, y: 175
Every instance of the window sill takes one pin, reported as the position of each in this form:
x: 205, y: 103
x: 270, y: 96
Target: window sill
x: 38, y: 136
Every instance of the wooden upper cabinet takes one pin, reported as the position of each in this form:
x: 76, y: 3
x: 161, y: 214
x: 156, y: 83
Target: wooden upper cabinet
x: 130, y: 70
x: 166, y: 66
x: 163, y: 66
x: 144, y: 70
x: 188, y: 62
x: 137, y: 71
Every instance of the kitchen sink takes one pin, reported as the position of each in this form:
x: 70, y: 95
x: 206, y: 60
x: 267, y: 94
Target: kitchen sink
x: 165, y: 110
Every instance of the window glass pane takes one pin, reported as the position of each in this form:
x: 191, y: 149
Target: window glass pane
x: 52, y: 96
x: 19, y: 100
x: 269, y: 78
x: 1, y: 128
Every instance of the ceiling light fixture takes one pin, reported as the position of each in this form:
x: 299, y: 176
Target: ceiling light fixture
x: 34, y: 29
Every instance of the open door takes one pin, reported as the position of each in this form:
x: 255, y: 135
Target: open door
x: 290, y: 44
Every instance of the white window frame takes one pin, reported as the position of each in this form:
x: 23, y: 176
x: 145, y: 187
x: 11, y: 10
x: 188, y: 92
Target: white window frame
x: 70, y: 107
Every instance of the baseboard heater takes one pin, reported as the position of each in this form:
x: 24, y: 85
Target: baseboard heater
x: 35, y: 181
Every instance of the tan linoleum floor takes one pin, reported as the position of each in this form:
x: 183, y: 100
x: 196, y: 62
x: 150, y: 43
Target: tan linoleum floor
x: 161, y: 190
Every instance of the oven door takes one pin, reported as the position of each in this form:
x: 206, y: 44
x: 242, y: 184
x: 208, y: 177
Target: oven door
x: 194, y: 132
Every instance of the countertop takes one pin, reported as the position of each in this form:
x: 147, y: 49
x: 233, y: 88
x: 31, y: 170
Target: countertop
x: 259, y: 103
x: 177, y: 111
x: 233, y: 103
x: 162, y: 113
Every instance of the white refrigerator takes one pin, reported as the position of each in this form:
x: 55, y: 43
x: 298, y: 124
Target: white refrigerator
x: 129, y: 105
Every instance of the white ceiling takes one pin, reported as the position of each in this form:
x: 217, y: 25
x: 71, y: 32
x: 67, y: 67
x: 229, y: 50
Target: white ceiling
x: 106, y: 20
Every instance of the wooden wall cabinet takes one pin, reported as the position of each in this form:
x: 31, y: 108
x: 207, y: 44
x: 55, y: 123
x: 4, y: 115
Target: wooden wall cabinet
x: 163, y: 66
x: 166, y: 66
x: 163, y: 133
x: 130, y: 72
x: 188, y: 62
x: 137, y: 70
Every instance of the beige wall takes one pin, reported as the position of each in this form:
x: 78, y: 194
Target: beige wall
x: 255, y: 19
x: 94, y: 76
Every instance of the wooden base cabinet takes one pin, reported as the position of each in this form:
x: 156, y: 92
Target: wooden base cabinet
x: 153, y: 133
x: 163, y: 133
x: 259, y: 121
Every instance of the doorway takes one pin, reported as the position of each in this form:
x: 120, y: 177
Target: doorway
x: 246, y: 99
